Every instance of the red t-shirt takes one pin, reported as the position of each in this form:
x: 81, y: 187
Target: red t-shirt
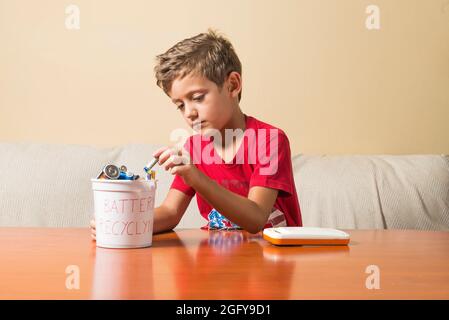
x: 263, y: 159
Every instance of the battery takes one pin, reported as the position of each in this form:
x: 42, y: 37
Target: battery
x: 126, y: 176
x: 151, y: 175
x: 129, y: 176
x: 101, y: 175
x: 150, y: 165
x: 109, y: 172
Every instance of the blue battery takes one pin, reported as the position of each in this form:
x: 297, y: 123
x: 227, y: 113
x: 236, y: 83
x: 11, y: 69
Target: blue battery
x: 126, y: 176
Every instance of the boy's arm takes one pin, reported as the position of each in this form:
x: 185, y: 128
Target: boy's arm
x: 249, y: 213
x: 170, y: 212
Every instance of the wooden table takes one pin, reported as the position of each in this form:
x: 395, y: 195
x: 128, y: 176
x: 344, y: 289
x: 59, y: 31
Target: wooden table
x: 198, y: 264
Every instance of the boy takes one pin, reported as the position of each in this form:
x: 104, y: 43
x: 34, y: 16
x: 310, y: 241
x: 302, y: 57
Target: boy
x: 252, y: 188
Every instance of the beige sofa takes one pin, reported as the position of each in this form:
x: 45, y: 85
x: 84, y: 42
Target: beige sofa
x: 49, y: 186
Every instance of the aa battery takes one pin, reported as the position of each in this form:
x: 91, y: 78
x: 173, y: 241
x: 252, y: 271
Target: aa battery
x: 150, y: 165
x: 151, y: 175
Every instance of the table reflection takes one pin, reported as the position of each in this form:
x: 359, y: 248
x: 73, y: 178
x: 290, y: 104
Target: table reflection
x: 123, y: 274
x: 231, y: 265
x: 201, y: 264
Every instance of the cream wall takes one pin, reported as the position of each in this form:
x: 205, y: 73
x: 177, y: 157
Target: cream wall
x: 309, y: 67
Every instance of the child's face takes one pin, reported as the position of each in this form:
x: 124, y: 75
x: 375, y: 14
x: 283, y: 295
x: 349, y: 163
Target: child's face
x: 202, y: 103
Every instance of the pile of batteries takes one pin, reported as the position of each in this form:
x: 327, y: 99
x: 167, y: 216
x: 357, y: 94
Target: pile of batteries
x: 113, y: 172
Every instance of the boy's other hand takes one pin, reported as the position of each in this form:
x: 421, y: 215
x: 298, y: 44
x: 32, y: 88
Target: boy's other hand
x: 93, y: 231
x: 178, y: 162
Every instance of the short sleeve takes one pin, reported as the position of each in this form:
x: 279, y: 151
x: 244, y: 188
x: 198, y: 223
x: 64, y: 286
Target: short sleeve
x: 273, y: 168
x: 178, y: 183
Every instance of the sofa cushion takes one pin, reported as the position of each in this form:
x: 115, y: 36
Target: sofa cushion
x: 374, y: 192
x: 48, y: 185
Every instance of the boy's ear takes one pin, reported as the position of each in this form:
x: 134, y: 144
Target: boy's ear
x: 234, y: 83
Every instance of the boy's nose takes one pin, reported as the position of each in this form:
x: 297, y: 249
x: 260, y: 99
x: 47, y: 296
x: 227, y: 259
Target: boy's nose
x: 190, y: 112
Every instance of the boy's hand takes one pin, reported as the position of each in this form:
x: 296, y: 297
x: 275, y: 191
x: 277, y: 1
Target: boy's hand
x: 93, y: 231
x: 178, y: 162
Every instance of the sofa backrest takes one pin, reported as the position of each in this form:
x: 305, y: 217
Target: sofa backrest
x: 49, y: 186
x: 374, y: 192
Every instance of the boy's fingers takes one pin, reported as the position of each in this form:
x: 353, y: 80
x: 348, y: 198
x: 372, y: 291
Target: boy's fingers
x: 93, y: 233
x: 171, y: 162
x: 185, y: 158
x: 174, y: 161
x: 158, y: 152
x: 174, y: 170
x: 185, y: 155
x: 178, y: 170
x: 164, y: 156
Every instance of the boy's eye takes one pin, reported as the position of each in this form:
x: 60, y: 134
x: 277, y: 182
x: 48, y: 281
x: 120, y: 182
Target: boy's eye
x: 180, y: 106
x: 198, y: 98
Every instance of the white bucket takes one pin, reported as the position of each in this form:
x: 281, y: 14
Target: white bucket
x: 124, y: 212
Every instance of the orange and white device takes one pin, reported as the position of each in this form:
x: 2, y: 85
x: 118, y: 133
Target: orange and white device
x: 305, y: 236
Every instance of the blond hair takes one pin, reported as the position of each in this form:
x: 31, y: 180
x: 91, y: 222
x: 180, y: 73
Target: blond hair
x: 207, y: 54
